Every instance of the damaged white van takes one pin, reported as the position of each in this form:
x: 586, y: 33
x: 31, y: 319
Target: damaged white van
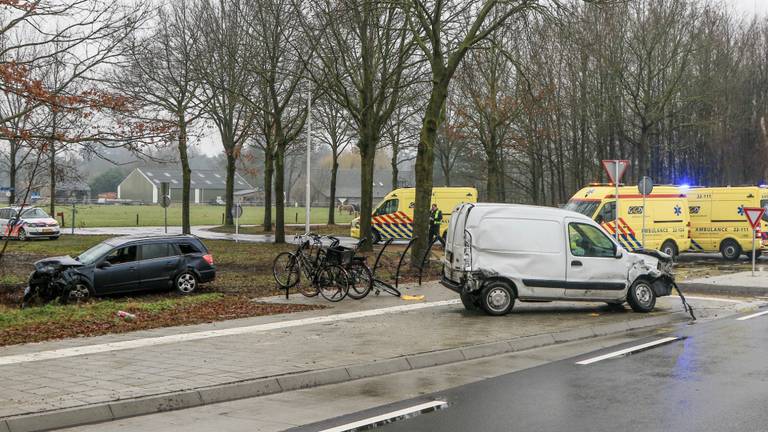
x: 497, y: 253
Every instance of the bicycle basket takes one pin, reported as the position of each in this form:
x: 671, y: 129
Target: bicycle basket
x: 339, y: 255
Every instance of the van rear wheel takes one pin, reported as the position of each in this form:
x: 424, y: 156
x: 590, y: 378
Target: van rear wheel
x: 730, y: 249
x: 670, y: 248
x: 497, y: 298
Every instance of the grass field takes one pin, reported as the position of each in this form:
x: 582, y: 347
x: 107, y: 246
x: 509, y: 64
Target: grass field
x: 243, y: 274
x: 152, y: 215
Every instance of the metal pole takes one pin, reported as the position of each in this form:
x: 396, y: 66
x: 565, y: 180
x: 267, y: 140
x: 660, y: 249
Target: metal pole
x: 643, y: 236
x: 616, y: 219
x: 73, y: 218
x: 237, y: 218
x: 309, y: 152
x: 754, y: 234
x: 165, y: 216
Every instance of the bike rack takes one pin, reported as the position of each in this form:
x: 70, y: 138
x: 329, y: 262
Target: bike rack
x: 424, y: 258
x: 400, y: 263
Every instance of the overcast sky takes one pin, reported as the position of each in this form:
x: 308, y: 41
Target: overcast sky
x: 211, y: 145
x: 749, y: 6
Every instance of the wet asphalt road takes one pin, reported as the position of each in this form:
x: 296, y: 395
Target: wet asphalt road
x: 715, y: 379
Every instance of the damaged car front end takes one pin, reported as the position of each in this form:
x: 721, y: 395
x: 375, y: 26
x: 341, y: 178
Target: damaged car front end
x: 654, y: 266
x: 56, y: 278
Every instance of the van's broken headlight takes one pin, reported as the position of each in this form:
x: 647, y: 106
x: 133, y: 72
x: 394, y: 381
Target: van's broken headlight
x: 467, y: 251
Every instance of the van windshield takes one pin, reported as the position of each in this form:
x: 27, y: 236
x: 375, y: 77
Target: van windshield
x: 587, y: 208
x: 764, y: 204
x: 387, y: 207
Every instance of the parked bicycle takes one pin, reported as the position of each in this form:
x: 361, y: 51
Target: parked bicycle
x: 360, y: 275
x: 323, y: 270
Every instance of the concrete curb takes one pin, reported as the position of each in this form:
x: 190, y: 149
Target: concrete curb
x: 722, y: 289
x: 97, y: 413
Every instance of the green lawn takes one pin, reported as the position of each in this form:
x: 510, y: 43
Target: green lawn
x: 152, y: 215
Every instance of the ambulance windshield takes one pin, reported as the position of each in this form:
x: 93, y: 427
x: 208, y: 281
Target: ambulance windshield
x: 587, y: 208
x: 764, y: 204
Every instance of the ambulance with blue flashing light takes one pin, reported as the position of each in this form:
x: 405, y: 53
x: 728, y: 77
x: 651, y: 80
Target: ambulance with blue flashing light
x: 393, y: 217
x: 667, y: 222
x: 718, y: 222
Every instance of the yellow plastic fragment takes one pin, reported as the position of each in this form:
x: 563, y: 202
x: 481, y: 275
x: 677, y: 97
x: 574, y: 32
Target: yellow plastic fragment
x: 412, y: 297
x: 594, y: 314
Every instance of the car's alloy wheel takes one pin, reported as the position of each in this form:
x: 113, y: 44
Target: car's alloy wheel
x: 79, y: 293
x: 186, y: 283
x: 22, y: 234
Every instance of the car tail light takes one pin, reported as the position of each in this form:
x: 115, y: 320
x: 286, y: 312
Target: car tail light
x: 208, y: 258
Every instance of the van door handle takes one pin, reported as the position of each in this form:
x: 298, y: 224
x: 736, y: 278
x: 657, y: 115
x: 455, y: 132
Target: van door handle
x: 576, y: 263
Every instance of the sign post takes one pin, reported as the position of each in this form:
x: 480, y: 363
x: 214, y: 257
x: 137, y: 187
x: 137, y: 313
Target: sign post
x: 754, y: 216
x: 238, y: 210
x: 615, y: 169
x: 165, y: 202
x: 645, y: 187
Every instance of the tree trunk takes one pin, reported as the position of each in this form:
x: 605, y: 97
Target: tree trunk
x: 279, y: 194
x: 52, y: 178
x: 269, y: 170
x: 186, y: 174
x: 425, y: 158
x: 367, y: 148
x: 332, y: 204
x: 230, y: 189
x: 12, y: 174
x: 494, y: 176
x: 395, y: 169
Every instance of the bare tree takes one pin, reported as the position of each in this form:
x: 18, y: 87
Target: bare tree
x: 363, y: 60
x: 335, y: 131
x: 224, y: 59
x: 159, y: 76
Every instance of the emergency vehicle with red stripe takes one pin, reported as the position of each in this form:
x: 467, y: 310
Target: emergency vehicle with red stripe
x: 393, y: 217
x: 667, y: 219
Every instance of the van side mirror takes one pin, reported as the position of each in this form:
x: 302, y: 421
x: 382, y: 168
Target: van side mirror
x: 618, y: 254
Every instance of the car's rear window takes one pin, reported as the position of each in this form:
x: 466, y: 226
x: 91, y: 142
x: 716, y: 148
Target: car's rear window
x: 187, y: 248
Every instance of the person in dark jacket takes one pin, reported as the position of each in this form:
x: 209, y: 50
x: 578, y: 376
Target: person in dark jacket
x: 435, y: 219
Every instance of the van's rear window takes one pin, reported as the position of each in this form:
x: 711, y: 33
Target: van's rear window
x: 587, y: 208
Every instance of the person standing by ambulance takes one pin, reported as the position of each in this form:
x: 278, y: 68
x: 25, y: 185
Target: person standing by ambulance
x: 435, y: 219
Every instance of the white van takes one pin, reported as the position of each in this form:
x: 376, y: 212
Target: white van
x: 496, y: 253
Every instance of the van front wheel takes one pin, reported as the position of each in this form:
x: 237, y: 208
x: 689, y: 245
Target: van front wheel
x: 730, y: 249
x: 641, y: 297
x: 497, y: 298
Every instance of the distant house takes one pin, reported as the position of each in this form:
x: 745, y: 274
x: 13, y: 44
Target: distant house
x: 144, y: 184
x: 348, y: 185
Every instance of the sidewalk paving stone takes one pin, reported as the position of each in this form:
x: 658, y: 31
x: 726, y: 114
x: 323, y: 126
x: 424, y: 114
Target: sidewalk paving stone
x: 293, y: 357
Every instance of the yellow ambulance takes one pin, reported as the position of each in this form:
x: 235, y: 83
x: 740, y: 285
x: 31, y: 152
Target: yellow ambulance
x: 393, y: 217
x: 718, y: 223
x: 666, y: 215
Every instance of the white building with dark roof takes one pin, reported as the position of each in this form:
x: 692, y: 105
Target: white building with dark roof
x: 206, y: 186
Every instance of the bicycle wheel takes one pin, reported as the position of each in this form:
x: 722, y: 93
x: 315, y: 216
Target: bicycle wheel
x: 360, y: 280
x: 333, y: 283
x: 286, y: 270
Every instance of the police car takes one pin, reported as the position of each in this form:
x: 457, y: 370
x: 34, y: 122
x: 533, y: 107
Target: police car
x: 26, y: 223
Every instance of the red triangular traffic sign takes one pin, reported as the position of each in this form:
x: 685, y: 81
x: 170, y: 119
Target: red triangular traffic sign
x: 610, y: 168
x: 754, y: 214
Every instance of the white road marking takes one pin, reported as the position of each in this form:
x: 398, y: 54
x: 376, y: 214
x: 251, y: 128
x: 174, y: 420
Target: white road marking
x: 627, y: 350
x: 754, y: 315
x: 185, y: 337
x: 389, y: 417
